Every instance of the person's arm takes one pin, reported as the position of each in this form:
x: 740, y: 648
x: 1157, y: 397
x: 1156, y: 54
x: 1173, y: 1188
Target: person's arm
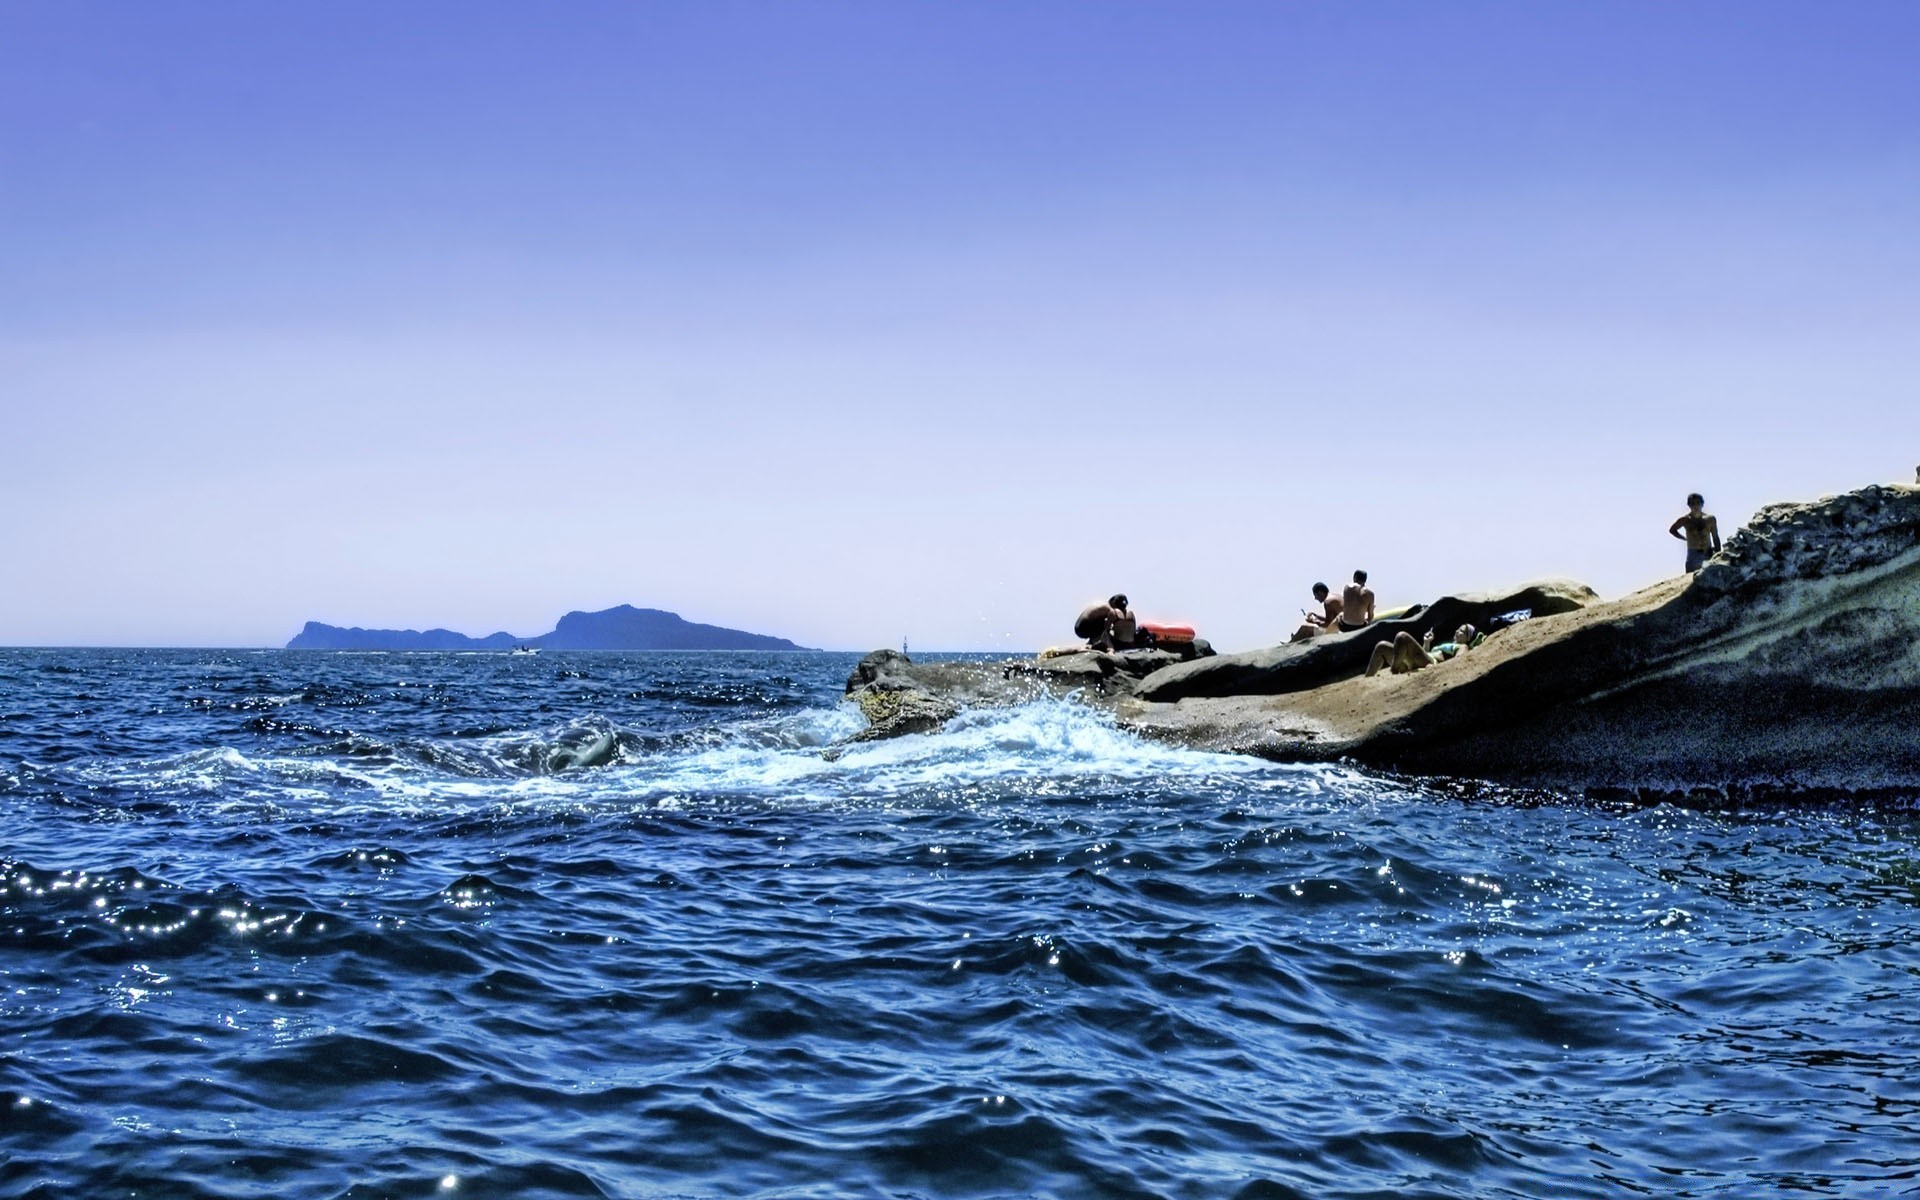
x: 1713, y: 527
x: 1674, y: 528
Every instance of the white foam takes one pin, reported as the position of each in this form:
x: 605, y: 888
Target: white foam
x: 1046, y: 738
x: 791, y: 757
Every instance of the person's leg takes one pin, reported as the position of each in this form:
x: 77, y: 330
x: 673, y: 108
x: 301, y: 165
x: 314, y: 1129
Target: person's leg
x: 1408, y: 654
x: 1382, y: 656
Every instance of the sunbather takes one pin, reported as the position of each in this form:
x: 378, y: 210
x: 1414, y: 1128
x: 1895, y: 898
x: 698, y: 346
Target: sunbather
x: 1403, y: 655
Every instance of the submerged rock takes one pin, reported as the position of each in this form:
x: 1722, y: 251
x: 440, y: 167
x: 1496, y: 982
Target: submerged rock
x: 583, y: 748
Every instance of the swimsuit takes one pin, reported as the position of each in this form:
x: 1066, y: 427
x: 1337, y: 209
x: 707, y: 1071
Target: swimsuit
x: 1346, y: 628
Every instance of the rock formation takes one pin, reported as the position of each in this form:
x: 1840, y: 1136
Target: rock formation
x: 1790, y: 663
x: 1297, y: 666
x: 898, y: 695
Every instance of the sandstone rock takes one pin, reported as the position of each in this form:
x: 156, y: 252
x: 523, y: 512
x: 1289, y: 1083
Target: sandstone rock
x: 1298, y: 666
x: 1833, y: 537
x: 1790, y: 664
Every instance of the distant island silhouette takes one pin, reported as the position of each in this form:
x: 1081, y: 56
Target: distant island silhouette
x: 621, y: 628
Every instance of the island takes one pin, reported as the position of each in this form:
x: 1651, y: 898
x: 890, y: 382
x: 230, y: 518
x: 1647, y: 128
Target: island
x: 1788, y: 666
x: 622, y: 628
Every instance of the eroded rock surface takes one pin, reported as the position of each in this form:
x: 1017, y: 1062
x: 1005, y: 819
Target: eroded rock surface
x: 1297, y: 666
x: 1790, y: 663
x: 898, y: 695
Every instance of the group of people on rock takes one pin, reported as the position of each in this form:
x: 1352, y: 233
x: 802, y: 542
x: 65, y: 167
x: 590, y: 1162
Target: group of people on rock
x: 1352, y: 611
x: 1112, y: 626
x: 1349, y: 612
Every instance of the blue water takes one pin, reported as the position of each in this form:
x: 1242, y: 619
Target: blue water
x: 296, y: 924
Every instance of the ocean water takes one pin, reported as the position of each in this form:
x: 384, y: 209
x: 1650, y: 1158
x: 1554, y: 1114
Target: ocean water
x: 286, y: 924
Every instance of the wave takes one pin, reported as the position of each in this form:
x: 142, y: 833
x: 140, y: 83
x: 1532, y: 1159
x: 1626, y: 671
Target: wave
x: 1045, y: 745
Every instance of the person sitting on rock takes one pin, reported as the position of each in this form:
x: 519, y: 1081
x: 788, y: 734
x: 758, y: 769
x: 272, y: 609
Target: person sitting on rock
x: 1403, y: 655
x: 1319, y: 622
x: 1356, y: 604
x: 1702, y: 534
x: 1108, y: 626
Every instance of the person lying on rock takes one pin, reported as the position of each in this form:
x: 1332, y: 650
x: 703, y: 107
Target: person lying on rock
x: 1319, y: 622
x: 1403, y: 655
x: 1356, y: 604
x: 1702, y: 534
x: 1109, y: 626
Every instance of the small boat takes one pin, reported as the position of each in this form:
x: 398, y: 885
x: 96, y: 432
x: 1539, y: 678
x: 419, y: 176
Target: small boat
x: 524, y: 650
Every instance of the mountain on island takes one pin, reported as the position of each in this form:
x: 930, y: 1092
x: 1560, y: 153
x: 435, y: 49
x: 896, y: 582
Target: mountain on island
x: 622, y: 628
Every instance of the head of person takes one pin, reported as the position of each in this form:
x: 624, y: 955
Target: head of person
x: 1117, y: 601
x: 1360, y: 577
x: 1696, y: 500
x: 1464, y: 635
x: 1320, y: 591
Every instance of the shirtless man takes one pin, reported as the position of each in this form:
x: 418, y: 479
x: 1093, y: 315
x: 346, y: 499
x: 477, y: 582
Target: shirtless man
x: 1356, y: 604
x: 1108, y: 626
x: 1702, y: 534
x: 1403, y: 655
x: 1319, y: 622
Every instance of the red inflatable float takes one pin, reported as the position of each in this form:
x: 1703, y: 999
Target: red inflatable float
x: 1168, y: 633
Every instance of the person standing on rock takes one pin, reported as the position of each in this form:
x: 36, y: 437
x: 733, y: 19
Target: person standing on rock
x: 1319, y: 622
x: 1108, y: 626
x: 1701, y: 532
x: 1356, y: 604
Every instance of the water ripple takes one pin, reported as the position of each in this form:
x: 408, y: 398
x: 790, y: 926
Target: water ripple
x: 290, y: 924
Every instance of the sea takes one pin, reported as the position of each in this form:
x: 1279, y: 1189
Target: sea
x: 306, y: 924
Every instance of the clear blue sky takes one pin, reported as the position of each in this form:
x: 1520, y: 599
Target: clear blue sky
x: 849, y: 321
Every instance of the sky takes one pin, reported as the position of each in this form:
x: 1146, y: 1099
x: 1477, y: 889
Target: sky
x: 860, y: 322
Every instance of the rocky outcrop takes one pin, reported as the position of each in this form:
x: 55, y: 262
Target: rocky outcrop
x: 1789, y: 664
x: 1298, y: 666
x: 897, y: 698
x: 898, y: 695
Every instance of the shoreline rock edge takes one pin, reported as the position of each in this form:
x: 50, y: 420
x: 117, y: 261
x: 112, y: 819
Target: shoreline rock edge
x: 1789, y: 665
